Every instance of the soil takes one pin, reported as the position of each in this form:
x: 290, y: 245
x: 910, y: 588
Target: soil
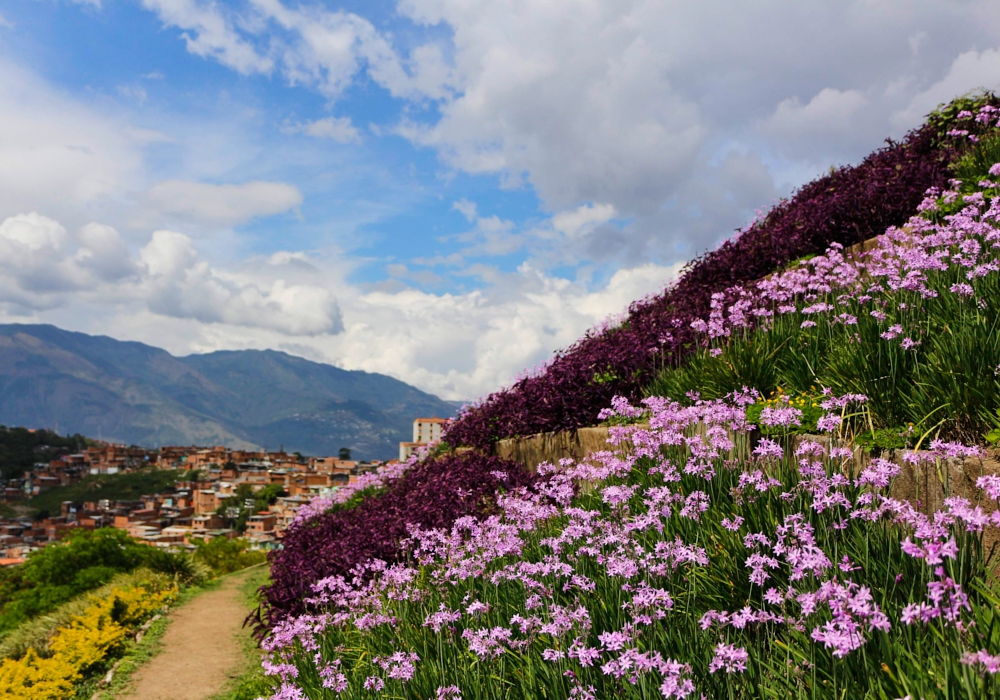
x: 200, y: 649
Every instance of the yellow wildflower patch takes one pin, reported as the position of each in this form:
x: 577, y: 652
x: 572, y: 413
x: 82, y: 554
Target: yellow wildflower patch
x: 88, y: 639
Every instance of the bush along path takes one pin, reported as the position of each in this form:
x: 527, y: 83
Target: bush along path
x: 201, y: 651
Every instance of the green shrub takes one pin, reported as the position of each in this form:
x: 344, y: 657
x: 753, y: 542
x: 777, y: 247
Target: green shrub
x: 224, y: 556
x: 82, y: 561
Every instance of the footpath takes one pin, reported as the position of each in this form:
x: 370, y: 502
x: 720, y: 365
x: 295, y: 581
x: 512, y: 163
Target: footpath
x: 201, y: 649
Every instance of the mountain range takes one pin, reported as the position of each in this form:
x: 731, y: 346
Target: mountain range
x: 137, y: 394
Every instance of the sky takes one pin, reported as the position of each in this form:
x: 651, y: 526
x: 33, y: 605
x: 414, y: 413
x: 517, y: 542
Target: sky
x: 444, y: 191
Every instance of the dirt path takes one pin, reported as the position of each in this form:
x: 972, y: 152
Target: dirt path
x: 200, y: 648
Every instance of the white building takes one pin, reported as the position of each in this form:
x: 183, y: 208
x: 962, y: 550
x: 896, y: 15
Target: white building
x: 425, y: 431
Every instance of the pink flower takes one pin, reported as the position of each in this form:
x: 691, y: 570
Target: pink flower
x: 729, y: 658
x: 553, y: 654
x: 785, y: 416
x: 990, y: 484
x: 892, y: 332
x: 732, y: 524
x: 694, y: 505
x: 768, y: 448
x: 828, y: 423
x: 984, y: 662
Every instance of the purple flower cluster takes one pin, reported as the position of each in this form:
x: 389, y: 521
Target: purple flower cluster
x: 847, y: 206
x: 729, y: 658
x: 983, y: 661
x: 902, y: 259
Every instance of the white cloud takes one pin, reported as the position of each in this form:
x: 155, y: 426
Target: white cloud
x: 103, y: 252
x: 339, y: 129
x: 41, y: 262
x: 971, y: 70
x: 4, y: 22
x: 134, y: 92
x: 44, y: 267
x: 827, y: 123
x: 223, y: 205
x: 181, y: 285
x: 621, y: 103
x: 465, y: 208
x: 58, y: 154
x: 209, y: 34
x: 458, y: 346
x: 571, y: 222
x: 319, y: 47
x: 330, y: 47
x: 463, y: 345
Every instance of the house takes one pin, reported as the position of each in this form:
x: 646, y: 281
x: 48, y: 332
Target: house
x: 206, y: 501
x: 262, y: 522
x: 425, y: 432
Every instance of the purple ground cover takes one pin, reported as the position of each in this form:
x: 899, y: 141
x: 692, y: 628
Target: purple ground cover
x: 433, y: 493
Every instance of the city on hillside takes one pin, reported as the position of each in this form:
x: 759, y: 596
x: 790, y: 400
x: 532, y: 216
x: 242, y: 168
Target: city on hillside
x: 207, y: 492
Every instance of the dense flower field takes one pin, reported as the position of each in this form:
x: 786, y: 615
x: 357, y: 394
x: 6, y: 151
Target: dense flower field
x: 686, y: 560
x: 86, y: 642
x: 847, y: 206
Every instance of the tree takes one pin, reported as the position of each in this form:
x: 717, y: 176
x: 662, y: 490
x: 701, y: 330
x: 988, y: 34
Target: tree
x: 345, y: 453
x: 20, y: 448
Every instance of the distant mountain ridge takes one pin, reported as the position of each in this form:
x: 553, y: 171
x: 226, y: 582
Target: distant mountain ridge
x: 134, y: 393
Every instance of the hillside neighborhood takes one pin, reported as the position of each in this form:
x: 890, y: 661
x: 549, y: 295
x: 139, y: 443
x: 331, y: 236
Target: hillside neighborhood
x: 200, y: 504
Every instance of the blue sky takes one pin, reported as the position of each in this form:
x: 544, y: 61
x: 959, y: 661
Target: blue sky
x: 381, y: 197
x: 445, y: 191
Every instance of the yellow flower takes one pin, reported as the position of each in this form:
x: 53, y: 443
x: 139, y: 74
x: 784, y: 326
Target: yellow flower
x: 87, y: 640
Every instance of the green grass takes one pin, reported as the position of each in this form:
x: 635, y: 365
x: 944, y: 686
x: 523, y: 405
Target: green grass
x: 115, y: 487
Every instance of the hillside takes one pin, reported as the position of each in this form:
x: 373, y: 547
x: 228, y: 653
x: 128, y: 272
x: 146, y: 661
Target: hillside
x: 134, y: 393
x: 834, y: 540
